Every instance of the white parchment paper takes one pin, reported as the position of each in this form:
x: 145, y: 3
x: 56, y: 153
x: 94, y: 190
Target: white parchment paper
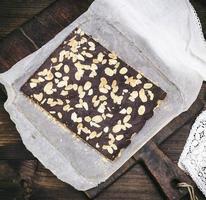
x: 157, y: 38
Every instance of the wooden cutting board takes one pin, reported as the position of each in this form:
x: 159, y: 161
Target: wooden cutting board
x: 44, y: 27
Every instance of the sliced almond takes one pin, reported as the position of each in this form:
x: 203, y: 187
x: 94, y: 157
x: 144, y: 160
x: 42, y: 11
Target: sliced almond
x: 65, y: 78
x: 80, y: 57
x: 117, y: 128
x: 110, y: 150
x: 100, y: 57
x: 58, y: 74
x: 139, y: 76
x: 53, y: 60
x: 117, y: 65
x: 64, y: 93
x: 48, y: 88
x: 93, y: 134
x: 61, y: 55
x: 123, y: 70
x: 87, y: 85
x: 60, y: 102
x: 119, y: 137
x: 92, y: 46
x: 102, y: 98
x: 94, y: 124
x: 59, y: 115
x: 49, y: 76
x: 33, y: 85
x: 85, y: 105
x: 103, y: 90
x: 129, y: 110
x: 90, y: 92
x: 99, y: 134
x: 35, y: 80
x: 88, y: 119
x: 97, y: 119
x: 61, y: 84
x: 108, y: 71
x: 41, y: 79
x: 126, y: 118
x: 104, y: 61
x: 123, y: 111
x: 113, y: 55
x: 114, y: 146
x: 112, y: 62
x: 109, y: 115
x: 66, y: 69
x: 142, y: 95
x: 38, y: 97
x: 79, y: 74
x: 67, y: 108
x: 141, y: 110
x: 69, y: 87
x: 148, y: 85
x: 151, y: 95
x: 89, y: 55
x: 57, y: 67
x: 101, y: 108
x: 75, y: 87
x: 74, y: 117
x: 43, y: 73
x: 106, y: 129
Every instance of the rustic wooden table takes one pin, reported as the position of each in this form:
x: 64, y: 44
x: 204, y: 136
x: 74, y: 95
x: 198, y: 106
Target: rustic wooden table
x: 22, y: 177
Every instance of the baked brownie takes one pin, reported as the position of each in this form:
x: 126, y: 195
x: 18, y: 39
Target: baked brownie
x: 93, y: 93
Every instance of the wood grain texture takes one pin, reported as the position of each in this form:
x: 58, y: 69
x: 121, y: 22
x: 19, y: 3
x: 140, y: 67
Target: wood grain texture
x: 39, y: 183
x: 14, y: 13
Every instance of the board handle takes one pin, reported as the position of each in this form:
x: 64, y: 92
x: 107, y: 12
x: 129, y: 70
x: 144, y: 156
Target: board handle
x: 166, y: 173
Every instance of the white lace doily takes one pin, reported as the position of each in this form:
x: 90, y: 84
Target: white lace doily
x: 193, y: 157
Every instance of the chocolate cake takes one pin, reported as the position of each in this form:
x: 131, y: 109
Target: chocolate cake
x: 93, y: 93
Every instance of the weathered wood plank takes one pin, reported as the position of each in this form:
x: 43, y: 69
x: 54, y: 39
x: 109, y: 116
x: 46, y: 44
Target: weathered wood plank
x: 53, y: 20
x: 13, y: 48
x: 14, y: 13
x: 134, y: 185
x: 96, y: 191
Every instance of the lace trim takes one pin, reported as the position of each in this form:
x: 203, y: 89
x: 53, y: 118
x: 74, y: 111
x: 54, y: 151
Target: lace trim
x: 193, y: 158
x: 198, y: 22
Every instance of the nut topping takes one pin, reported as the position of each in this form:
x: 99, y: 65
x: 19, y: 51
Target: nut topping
x: 93, y: 93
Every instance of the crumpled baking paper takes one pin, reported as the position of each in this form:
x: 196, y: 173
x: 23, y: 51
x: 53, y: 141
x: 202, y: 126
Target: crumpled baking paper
x: 160, y: 38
